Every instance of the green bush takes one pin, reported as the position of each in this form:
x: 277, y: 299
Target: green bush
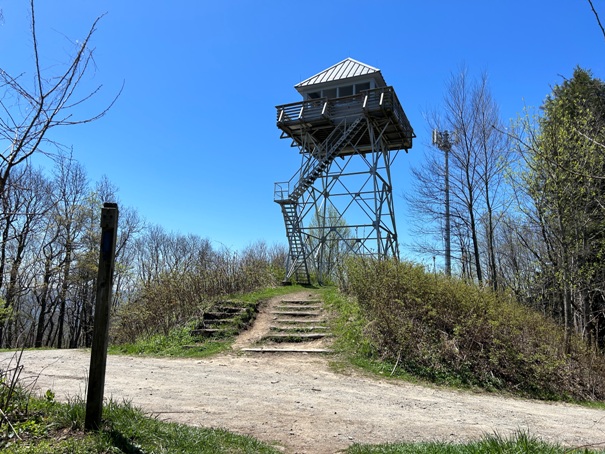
x: 447, y: 330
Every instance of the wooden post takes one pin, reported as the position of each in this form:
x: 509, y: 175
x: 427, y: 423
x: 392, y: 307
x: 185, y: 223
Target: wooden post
x: 98, y: 356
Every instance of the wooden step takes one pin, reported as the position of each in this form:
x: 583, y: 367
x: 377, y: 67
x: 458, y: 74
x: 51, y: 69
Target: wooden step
x: 298, y: 328
x: 301, y: 302
x: 231, y: 309
x: 297, y: 307
x: 217, y: 315
x: 206, y: 332
x: 298, y: 337
x: 218, y: 321
x: 296, y: 313
x: 299, y: 320
x: 286, y: 350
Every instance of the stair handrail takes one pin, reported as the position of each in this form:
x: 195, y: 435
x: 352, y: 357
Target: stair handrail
x: 281, y: 190
x: 301, y: 181
x: 306, y: 178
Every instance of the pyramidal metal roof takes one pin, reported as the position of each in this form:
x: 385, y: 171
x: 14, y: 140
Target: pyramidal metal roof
x: 346, y: 69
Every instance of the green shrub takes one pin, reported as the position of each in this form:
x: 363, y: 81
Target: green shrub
x: 447, y: 330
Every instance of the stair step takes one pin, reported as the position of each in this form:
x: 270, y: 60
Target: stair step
x: 296, y: 337
x: 233, y: 309
x: 218, y: 321
x: 287, y: 350
x: 298, y: 307
x: 302, y: 302
x: 297, y: 313
x: 301, y: 321
x: 215, y: 315
x: 207, y: 332
x: 298, y: 328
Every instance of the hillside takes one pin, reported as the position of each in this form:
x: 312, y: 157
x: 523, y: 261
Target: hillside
x: 300, y: 403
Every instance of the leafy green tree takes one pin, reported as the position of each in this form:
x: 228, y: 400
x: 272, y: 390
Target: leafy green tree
x: 566, y: 180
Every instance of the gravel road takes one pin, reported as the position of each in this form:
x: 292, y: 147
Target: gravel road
x: 297, y: 402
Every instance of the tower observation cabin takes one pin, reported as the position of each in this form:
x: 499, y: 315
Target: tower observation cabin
x: 348, y: 129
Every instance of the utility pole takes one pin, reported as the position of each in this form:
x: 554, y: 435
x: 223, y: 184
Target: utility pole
x: 443, y: 141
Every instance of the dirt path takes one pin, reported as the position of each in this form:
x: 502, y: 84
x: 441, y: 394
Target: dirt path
x: 298, y: 403
x: 253, y: 337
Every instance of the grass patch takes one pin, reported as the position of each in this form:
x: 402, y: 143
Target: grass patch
x: 349, y: 326
x: 179, y: 344
x: 590, y: 404
x: 55, y: 427
x: 520, y: 443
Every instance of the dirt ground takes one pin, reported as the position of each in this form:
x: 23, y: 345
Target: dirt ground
x: 297, y: 402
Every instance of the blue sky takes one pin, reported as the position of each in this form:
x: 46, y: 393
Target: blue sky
x: 192, y: 144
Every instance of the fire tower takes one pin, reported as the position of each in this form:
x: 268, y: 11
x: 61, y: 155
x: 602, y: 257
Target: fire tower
x: 348, y: 129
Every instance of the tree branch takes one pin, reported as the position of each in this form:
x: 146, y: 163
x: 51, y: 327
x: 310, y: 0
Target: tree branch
x: 28, y: 115
x: 597, y: 17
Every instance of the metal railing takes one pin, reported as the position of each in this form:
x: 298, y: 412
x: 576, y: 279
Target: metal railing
x: 281, y: 191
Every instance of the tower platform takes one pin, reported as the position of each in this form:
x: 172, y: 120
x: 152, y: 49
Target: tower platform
x: 317, y: 119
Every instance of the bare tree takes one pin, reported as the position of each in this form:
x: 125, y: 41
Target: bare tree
x: 477, y: 158
x: 29, y: 111
x: 69, y: 200
x: 25, y: 203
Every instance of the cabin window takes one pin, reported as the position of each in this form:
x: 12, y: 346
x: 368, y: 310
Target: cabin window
x: 330, y: 93
x: 360, y: 87
x: 313, y: 95
x: 345, y: 91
